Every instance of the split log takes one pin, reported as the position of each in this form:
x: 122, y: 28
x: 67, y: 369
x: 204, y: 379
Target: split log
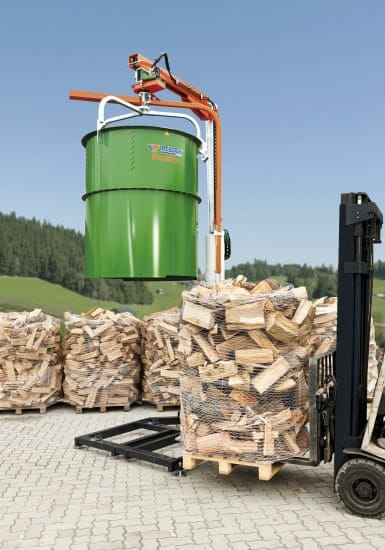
x: 261, y: 340
x: 268, y: 377
x: 229, y: 346
x: 217, y: 371
x: 303, y: 311
x: 281, y: 329
x: 264, y: 287
x: 253, y: 356
x: 207, y: 349
x: 246, y: 316
x: 240, y: 381
x: 198, y: 315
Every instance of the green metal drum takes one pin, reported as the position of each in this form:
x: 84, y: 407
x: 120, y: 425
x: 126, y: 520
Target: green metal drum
x: 141, y: 203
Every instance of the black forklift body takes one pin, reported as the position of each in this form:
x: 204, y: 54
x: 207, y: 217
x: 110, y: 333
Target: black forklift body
x: 359, y: 228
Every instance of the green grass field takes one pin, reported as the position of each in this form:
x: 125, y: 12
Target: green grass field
x: 378, y: 310
x: 378, y: 286
x: 22, y: 293
x: 378, y: 313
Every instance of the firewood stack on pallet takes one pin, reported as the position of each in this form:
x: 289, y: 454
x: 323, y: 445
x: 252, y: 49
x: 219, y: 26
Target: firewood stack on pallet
x: 102, y: 359
x: 244, y: 352
x: 30, y: 360
x: 324, y: 333
x: 372, y: 361
x: 159, y: 357
x: 324, y: 337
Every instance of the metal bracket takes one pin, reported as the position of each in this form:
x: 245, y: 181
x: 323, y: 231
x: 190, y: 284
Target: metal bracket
x: 366, y: 212
x: 359, y: 213
x: 145, y: 98
x: 356, y: 267
x: 144, y: 110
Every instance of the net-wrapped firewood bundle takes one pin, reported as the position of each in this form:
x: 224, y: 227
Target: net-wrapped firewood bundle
x: 102, y: 359
x: 324, y: 337
x: 372, y: 361
x: 244, y: 352
x: 324, y: 332
x: 160, y: 383
x: 30, y: 360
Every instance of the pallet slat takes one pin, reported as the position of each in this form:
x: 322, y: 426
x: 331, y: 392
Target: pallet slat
x: 101, y: 409
x: 21, y: 410
x: 226, y: 465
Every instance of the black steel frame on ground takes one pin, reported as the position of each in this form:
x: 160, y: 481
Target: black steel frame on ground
x: 142, y: 447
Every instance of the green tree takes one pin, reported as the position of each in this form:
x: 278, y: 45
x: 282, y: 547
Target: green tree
x: 30, y: 248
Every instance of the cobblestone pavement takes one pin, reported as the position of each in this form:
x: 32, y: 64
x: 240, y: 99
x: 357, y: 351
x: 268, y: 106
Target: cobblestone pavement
x: 53, y: 496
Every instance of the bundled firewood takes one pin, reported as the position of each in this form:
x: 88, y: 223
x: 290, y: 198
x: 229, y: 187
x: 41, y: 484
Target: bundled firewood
x: 160, y: 384
x: 372, y: 361
x: 324, y: 337
x: 244, y: 352
x: 102, y: 359
x: 324, y: 332
x: 30, y: 360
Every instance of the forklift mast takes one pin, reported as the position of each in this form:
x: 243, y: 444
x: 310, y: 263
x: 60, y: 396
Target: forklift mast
x: 360, y: 226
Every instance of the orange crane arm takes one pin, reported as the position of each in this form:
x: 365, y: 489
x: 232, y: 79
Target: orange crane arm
x: 185, y: 91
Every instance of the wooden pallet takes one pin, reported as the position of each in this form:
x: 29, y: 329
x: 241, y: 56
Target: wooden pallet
x: 226, y: 465
x: 160, y: 407
x: 101, y: 408
x: 20, y: 410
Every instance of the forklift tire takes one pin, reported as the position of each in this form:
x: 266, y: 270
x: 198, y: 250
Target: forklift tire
x: 360, y: 485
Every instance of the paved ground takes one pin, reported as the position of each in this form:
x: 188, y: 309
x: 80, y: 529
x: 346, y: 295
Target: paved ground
x: 53, y: 496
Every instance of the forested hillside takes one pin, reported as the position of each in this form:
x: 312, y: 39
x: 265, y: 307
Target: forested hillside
x: 30, y: 248
x: 319, y: 281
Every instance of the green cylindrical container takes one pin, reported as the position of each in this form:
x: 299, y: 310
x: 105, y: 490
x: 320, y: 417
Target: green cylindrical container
x: 141, y: 203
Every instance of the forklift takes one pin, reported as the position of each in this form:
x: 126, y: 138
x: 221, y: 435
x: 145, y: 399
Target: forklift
x: 359, y: 450
x: 340, y: 424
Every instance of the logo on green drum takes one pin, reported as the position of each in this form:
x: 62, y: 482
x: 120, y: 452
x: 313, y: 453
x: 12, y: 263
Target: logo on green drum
x: 161, y: 152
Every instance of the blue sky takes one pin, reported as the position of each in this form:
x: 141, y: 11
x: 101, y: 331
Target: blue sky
x: 300, y: 87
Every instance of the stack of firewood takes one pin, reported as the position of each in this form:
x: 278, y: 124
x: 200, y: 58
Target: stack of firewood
x: 324, y: 332
x: 159, y: 357
x: 244, y: 352
x: 30, y: 360
x: 372, y: 361
x: 102, y: 359
x: 324, y: 337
